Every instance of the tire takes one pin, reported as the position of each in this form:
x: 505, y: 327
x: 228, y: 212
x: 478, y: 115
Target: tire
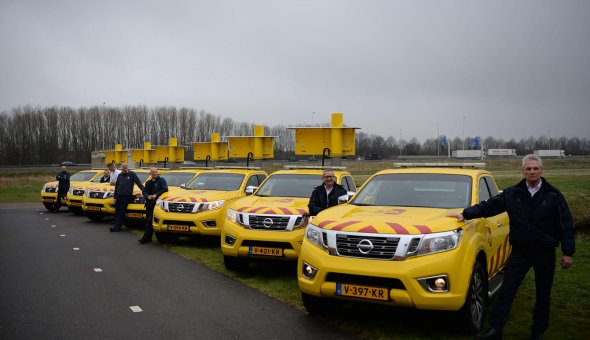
x: 77, y: 211
x: 315, y: 305
x: 473, y: 311
x: 95, y: 217
x: 235, y: 263
x: 49, y: 206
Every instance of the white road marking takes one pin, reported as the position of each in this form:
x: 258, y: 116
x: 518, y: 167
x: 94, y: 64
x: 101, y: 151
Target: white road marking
x: 53, y: 226
x: 63, y: 235
x: 41, y: 213
x: 76, y: 248
x: 46, y: 218
x: 37, y: 209
x: 136, y: 309
x: 98, y: 270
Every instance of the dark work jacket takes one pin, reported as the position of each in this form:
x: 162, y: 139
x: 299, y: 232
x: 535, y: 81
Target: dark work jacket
x: 157, y: 187
x: 319, y: 200
x: 541, y: 221
x: 105, y: 179
x: 64, y: 180
x: 125, y: 181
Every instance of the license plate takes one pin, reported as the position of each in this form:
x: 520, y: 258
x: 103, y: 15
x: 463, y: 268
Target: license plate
x: 266, y: 251
x: 76, y: 204
x: 92, y: 208
x: 176, y: 227
x: 134, y: 215
x: 48, y: 200
x: 364, y: 292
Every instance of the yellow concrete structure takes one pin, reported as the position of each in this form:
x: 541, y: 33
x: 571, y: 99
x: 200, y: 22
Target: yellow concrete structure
x: 117, y: 155
x: 171, y: 153
x: 147, y: 155
x: 259, y: 145
x: 338, y: 139
x: 215, y: 150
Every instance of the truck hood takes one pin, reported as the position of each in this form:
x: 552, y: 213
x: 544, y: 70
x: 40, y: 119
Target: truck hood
x: 73, y: 184
x: 108, y: 187
x: 200, y: 195
x: 272, y: 205
x: 386, y: 220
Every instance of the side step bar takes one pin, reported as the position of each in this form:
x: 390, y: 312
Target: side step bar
x: 495, y: 283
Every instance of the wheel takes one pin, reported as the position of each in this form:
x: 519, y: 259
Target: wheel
x: 95, y: 217
x: 235, y: 263
x: 49, y: 206
x: 314, y: 305
x: 473, y: 311
x: 77, y: 211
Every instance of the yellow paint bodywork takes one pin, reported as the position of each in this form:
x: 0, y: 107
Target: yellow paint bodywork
x: 483, y: 239
x: 51, y: 197
x: 196, y: 221
x: 289, y: 240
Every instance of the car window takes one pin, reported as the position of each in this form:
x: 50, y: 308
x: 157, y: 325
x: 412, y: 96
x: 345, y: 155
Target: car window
x: 484, y: 194
x: 82, y: 176
x: 344, y: 183
x: 217, y: 181
x: 261, y: 178
x: 175, y: 179
x: 491, y: 186
x: 252, y: 181
x: 289, y: 185
x: 351, y: 186
x: 143, y: 176
x: 416, y: 190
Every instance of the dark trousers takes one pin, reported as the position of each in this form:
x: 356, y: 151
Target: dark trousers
x: 518, y: 265
x: 121, y: 203
x: 60, y: 193
x: 149, y: 214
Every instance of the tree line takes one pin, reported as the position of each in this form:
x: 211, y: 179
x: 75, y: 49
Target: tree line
x: 47, y: 135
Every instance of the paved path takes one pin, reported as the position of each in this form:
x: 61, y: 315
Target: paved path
x: 64, y: 277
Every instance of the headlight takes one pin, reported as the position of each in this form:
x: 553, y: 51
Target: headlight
x: 109, y: 194
x: 233, y: 216
x: 87, y: 193
x: 314, y: 235
x: 162, y: 204
x: 71, y: 191
x: 43, y: 189
x: 439, y: 242
x: 211, y: 205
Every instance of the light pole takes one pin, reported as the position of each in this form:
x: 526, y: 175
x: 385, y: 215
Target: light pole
x: 437, y: 140
x: 463, y: 133
x: 400, y: 142
x: 312, y: 114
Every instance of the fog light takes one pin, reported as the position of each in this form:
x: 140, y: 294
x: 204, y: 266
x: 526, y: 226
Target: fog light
x: 210, y: 223
x: 156, y: 220
x: 309, y: 271
x: 230, y: 240
x: 435, y: 284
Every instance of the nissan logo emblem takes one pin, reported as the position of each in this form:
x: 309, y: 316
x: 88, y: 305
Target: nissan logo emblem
x: 365, y: 246
x: 180, y: 207
x: 267, y: 222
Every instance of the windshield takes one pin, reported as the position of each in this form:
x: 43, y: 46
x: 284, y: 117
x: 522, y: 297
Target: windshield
x: 416, y: 190
x: 217, y: 181
x: 143, y: 176
x: 82, y: 176
x: 289, y: 185
x: 175, y: 179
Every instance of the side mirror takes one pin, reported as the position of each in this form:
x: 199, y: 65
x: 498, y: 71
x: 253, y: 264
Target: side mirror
x: 183, y: 185
x: 343, y: 199
x: 250, y: 190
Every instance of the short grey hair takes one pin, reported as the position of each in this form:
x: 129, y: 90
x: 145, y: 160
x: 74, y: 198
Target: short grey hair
x: 532, y: 157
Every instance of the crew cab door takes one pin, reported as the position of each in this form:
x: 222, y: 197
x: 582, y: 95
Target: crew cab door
x: 497, y: 226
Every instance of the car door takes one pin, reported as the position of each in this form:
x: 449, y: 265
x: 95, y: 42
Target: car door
x: 497, y: 229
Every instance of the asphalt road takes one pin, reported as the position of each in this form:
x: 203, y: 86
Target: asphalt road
x: 64, y: 277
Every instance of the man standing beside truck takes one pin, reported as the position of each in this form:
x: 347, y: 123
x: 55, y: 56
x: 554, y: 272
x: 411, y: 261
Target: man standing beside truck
x: 540, y: 220
x: 154, y: 187
x: 63, y: 178
x: 124, y: 194
x: 325, y: 195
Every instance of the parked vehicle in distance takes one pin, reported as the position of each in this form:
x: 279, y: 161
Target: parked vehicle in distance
x: 501, y: 152
x: 394, y: 244
x: 76, y: 192
x: 550, y: 153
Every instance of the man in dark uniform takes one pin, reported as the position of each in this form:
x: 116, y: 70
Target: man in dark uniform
x: 540, y: 220
x: 106, y: 177
x: 63, y: 177
x: 325, y: 195
x: 154, y: 187
x: 124, y: 194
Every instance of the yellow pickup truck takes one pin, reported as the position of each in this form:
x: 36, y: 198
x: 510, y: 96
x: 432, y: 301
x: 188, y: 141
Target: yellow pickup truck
x: 394, y: 244
x: 80, y: 178
x: 270, y: 224
x: 199, y: 208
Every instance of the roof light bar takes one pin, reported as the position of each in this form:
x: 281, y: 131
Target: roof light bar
x: 440, y: 165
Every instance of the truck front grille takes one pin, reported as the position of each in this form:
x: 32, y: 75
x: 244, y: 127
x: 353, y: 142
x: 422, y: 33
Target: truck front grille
x: 181, y: 207
x: 371, y: 247
x: 96, y: 194
x: 78, y: 192
x: 263, y: 222
x: 51, y: 189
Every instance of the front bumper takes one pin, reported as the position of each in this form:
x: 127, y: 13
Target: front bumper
x: 50, y: 198
x: 104, y: 206
x: 400, y: 278
x: 201, y: 223
x: 245, y: 239
x: 74, y: 201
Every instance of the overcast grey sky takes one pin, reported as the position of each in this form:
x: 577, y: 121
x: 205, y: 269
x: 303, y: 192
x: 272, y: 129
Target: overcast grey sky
x: 511, y: 68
